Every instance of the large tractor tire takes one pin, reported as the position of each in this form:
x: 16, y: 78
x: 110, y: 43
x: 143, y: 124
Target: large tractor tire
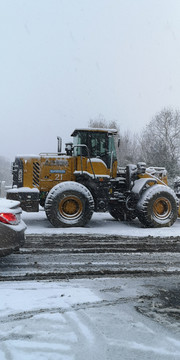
x: 157, y: 207
x: 69, y: 204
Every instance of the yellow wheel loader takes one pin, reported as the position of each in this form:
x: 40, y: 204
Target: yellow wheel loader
x: 85, y: 178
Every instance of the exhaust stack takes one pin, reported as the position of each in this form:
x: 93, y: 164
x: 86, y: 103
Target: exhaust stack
x: 59, y: 145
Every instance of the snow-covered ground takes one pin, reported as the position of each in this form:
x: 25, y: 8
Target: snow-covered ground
x: 100, y: 223
x: 84, y: 319
x: 87, y: 318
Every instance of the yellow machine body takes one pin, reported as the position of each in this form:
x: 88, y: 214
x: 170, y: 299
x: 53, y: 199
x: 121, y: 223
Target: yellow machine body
x: 86, y: 178
x: 44, y: 172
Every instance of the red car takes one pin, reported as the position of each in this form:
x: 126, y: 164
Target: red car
x: 12, y: 228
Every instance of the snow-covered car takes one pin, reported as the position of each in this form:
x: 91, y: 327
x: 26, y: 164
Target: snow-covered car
x: 12, y: 228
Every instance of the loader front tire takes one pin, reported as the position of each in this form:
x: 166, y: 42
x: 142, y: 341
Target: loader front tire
x: 157, y: 207
x: 69, y: 204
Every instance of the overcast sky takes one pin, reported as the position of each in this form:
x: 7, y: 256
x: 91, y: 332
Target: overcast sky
x: 64, y: 62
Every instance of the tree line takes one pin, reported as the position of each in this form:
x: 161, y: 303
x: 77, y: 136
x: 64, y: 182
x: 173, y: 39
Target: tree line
x: 157, y: 145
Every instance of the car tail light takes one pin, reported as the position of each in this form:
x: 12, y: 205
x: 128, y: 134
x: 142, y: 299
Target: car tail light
x: 9, y: 218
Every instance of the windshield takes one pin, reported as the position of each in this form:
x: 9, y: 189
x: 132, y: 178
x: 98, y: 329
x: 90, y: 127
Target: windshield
x: 99, y: 144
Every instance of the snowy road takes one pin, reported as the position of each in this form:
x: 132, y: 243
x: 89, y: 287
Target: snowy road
x: 105, y: 247
x: 89, y: 319
x: 107, y: 291
x: 66, y: 256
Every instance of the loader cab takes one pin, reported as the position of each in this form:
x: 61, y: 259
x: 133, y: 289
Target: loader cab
x: 95, y: 143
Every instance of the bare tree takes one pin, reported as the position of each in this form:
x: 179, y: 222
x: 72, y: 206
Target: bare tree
x: 130, y: 151
x: 160, y: 141
x: 101, y: 122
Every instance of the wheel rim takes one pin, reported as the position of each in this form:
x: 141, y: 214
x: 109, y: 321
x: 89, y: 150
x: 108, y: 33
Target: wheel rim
x: 162, y: 208
x: 70, y: 207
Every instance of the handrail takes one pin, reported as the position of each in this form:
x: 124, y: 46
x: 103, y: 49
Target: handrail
x: 111, y: 164
x: 88, y: 154
x: 52, y: 154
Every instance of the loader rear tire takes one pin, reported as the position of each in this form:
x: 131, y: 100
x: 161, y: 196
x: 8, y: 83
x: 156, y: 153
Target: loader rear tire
x: 157, y: 207
x: 69, y: 204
